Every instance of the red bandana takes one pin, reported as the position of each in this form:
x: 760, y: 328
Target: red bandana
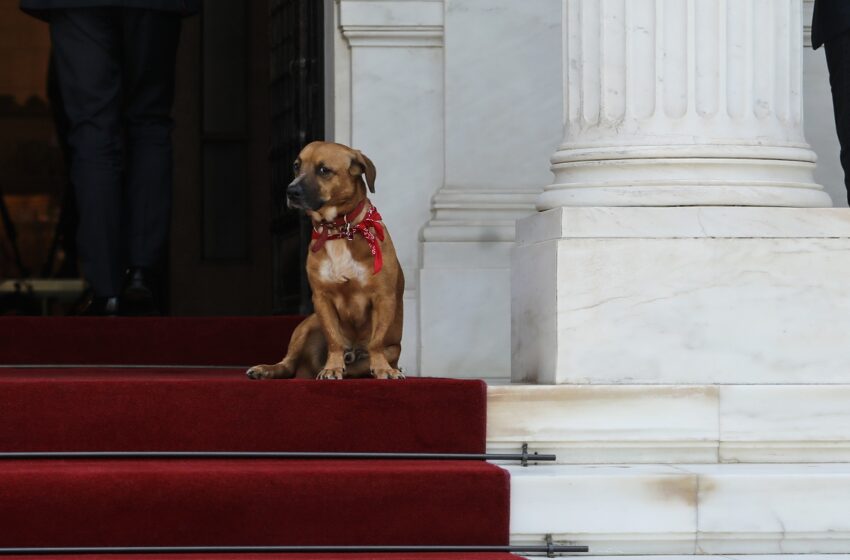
x: 371, y: 221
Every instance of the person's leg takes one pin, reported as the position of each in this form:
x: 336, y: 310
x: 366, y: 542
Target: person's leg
x: 150, y: 50
x: 65, y: 235
x: 86, y: 50
x: 838, y: 62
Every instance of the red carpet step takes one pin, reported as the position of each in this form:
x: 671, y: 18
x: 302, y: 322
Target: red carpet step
x: 203, y: 341
x: 256, y: 502
x: 156, y: 384
x: 108, y: 409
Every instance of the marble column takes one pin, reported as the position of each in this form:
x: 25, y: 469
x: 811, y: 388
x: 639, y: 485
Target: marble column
x: 684, y: 239
x: 683, y: 103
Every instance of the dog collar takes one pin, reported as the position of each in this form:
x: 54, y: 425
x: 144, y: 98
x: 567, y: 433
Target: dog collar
x: 369, y: 228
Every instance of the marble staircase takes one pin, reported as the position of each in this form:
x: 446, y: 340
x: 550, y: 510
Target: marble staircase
x: 680, y: 470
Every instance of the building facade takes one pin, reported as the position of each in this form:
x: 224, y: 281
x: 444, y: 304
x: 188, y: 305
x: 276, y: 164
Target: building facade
x: 461, y: 104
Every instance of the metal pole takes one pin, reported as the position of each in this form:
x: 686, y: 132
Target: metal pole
x: 548, y: 548
x: 525, y: 457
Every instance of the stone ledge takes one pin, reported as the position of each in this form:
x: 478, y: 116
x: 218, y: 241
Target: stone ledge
x: 673, y: 424
x: 685, y: 509
x: 684, y: 223
x: 607, y: 424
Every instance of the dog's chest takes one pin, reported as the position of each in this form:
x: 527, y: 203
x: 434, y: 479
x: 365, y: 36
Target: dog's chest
x: 340, y: 266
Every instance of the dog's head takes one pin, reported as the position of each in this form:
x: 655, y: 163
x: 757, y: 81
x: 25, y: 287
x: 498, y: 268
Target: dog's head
x: 329, y: 180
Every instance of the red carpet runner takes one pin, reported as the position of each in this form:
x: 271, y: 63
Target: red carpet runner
x: 235, y: 502
x: 94, y: 409
x: 197, y: 341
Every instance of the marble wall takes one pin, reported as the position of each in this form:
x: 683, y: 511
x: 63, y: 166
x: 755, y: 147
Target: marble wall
x: 459, y: 103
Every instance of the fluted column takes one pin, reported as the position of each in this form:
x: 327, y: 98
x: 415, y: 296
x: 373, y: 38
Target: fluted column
x: 683, y: 103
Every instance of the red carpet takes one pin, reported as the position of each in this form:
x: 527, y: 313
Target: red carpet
x: 107, y: 409
x: 256, y: 502
x: 238, y: 502
x: 203, y: 341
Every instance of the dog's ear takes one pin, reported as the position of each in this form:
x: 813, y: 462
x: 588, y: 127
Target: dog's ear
x: 363, y: 165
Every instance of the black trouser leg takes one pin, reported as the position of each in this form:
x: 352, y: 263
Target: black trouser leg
x: 86, y: 47
x: 66, y: 229
x: 838, y: 62
x: 150, y: 46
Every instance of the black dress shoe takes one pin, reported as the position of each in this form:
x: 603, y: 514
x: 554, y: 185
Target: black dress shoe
x: 139, y: 297
x: 101, y: 307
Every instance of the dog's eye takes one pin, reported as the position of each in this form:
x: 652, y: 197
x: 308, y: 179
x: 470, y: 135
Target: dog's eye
x: 296, y: 167
x: 324, y: 170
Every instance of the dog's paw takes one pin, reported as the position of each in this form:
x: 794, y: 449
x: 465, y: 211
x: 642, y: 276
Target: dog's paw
x: 264, y: 371
x: 387, y: 373
x: 258, y: 372
x: 331, y: 373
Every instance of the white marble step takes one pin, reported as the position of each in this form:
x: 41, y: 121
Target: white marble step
x: 685, y: 509
x: 673, y: 423
x: 725, y: 556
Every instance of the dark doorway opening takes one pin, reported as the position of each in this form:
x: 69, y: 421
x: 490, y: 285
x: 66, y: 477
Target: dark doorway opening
x: 258, y: 67
x: 249, y: 94
x: 297, y: 113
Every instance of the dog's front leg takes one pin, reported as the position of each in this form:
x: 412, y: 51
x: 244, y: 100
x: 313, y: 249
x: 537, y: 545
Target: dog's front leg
x: 383, y: 315
x: 329, y: 319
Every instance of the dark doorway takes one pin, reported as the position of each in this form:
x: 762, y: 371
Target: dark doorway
x: 249, y: 96
x: 297, y: 116
x: 220, y: 248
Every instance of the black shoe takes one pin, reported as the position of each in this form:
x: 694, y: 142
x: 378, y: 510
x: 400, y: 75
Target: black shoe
x: 101, y: 307
x: 138, y: 297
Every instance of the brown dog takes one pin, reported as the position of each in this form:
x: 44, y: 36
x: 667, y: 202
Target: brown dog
x: 356, y: 279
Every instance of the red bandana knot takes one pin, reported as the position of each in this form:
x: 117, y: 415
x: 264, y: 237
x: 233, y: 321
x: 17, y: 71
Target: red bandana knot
x: 369, y: 228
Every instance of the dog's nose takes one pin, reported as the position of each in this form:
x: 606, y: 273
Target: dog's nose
x: 295, y: 190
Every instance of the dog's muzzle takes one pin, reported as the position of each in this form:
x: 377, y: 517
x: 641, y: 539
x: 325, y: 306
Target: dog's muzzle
x: 295, y: 191
x: 299, y: 194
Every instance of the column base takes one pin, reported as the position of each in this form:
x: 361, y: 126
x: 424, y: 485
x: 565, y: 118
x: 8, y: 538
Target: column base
x: 692, y: 295
x: 684, y: 176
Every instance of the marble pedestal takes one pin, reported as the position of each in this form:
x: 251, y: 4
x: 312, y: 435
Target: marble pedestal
x: 465, y: 310
x: 687, y: 295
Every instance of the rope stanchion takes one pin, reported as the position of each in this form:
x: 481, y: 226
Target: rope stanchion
x: 523, y: 458
x: 549, y: 548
